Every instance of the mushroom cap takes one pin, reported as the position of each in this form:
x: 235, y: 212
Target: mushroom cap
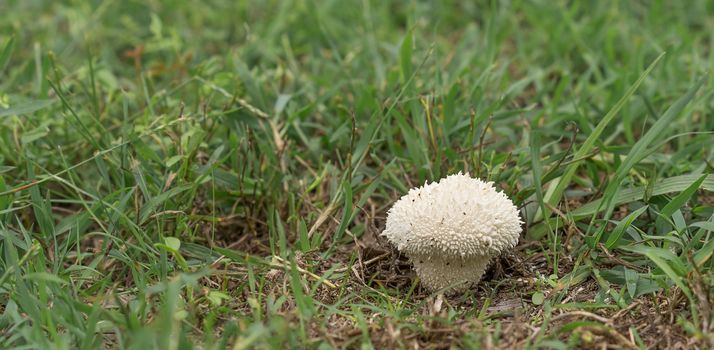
x: 456, y: 217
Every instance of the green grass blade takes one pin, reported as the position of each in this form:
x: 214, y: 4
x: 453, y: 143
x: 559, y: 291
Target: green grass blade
x: 640, y: 148
x: 5, y: 200
x: 619, y: 230
x: 25, y: 108
x: 562, y: 183
x: 680, y: 200
x: 6, y: 53
x: 628, y: 195
x: 666, y: 261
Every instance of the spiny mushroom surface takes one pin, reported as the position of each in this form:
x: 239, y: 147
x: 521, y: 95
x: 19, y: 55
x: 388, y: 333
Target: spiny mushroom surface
x: 451, y: 229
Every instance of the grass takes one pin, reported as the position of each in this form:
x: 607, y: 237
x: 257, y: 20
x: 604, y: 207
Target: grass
x: 179, y: 175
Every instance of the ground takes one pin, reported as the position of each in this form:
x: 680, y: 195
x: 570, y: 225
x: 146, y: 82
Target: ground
x: 216, y: 174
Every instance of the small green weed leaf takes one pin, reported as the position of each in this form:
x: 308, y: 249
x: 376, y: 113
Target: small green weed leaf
x: 173, y: 243
x: 538, y: 298
x: 216, y: 298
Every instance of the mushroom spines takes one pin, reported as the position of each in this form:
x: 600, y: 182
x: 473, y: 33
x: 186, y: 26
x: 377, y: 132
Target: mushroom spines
x: 458, y: 216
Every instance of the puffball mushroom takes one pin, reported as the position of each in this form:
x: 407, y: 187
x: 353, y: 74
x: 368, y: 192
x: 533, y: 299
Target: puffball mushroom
x: 451, y: 229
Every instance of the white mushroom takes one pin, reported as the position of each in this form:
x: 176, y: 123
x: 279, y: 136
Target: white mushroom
x: 451, y: 229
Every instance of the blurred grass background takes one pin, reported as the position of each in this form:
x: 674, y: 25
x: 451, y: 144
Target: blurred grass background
x: 215, y: 174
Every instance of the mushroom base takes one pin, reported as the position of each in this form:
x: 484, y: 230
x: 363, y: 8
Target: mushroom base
x: 459, y: 273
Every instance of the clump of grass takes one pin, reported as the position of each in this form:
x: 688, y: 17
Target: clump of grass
x: 175, y: 175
